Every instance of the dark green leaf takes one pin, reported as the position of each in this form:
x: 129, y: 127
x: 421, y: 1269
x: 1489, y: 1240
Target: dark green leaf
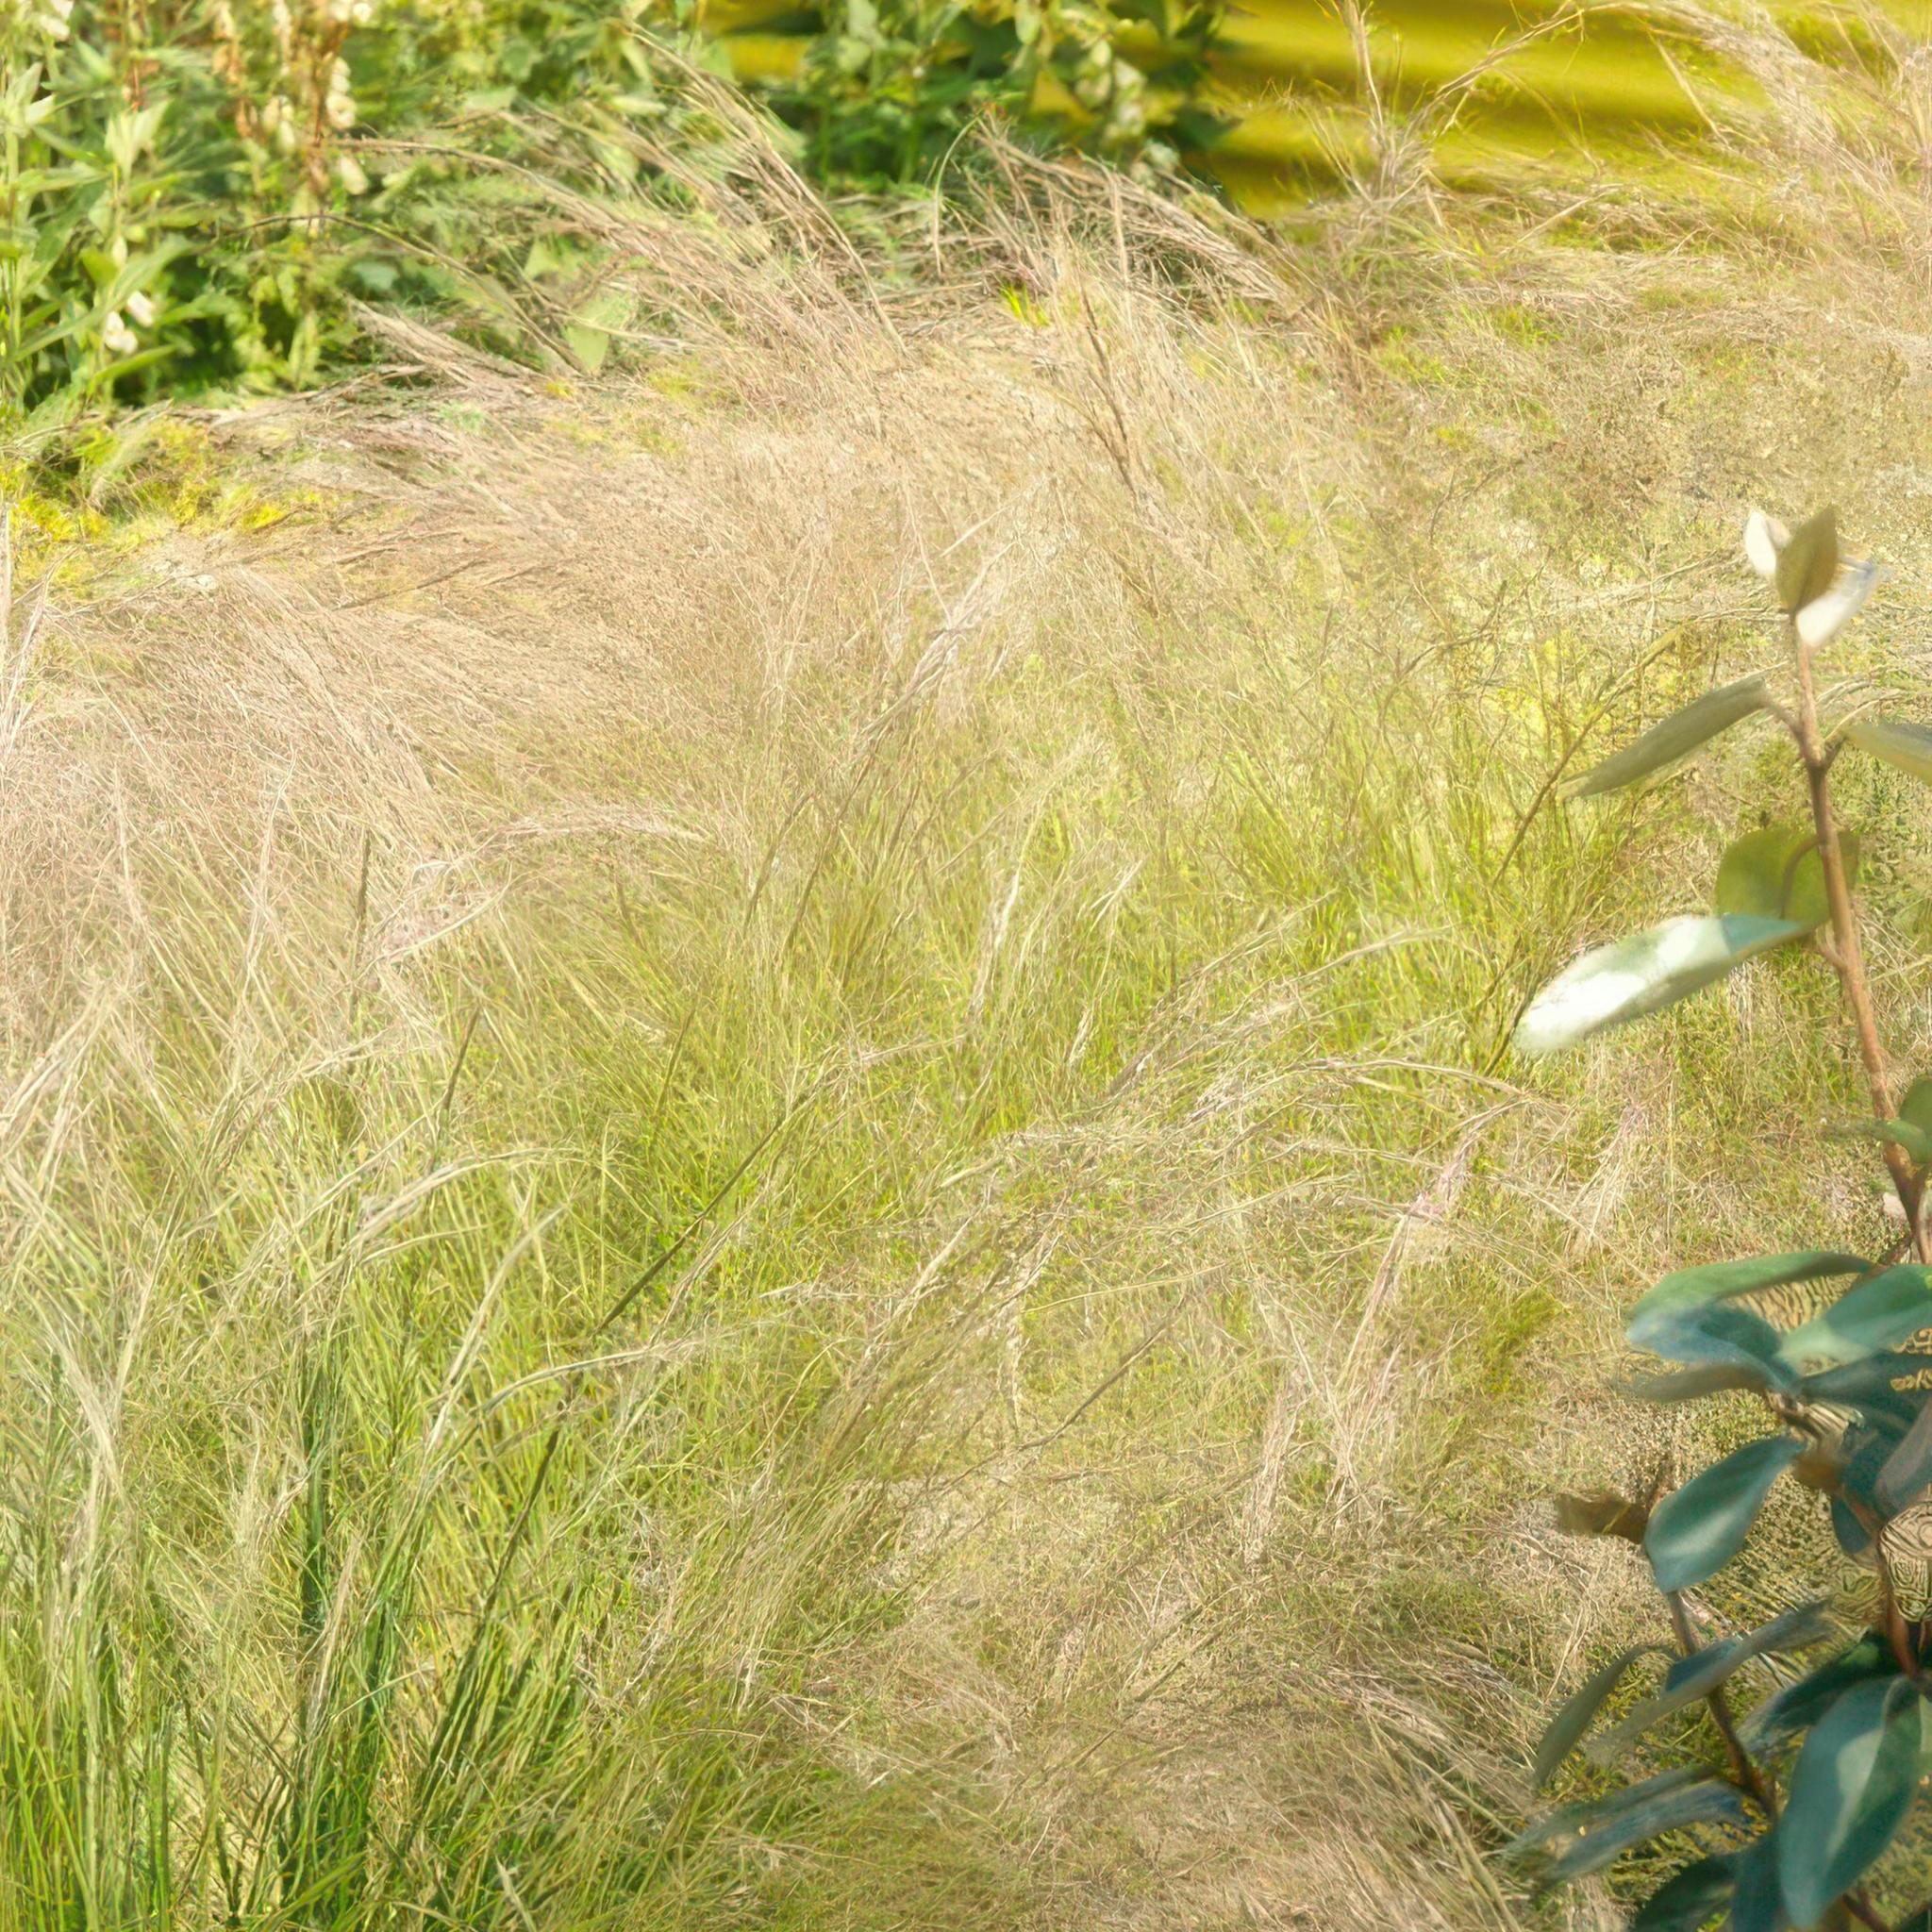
x: 1757, y: 1903
x: 1899, y: 744
x: 1696, y: 1531
x: 1808, y: 562
x: 1673, y: 738
x: 1582, y: 1839
x: 1691, y: 1898
x: 1915, y: 1109
x: 1863, y: 1453
x: 1718, y: 1281
x: 1868, y: 1386
x: 1567, y: 1728
x: 1854, y: 1539
x: 1853, y: 1786
x: 1877, y: 1314
x: 1721, y: 1334
x: 1798, y: 1707
x: 1651, y: 970
x: 1697, y: 1676
x: 1907, y: 1469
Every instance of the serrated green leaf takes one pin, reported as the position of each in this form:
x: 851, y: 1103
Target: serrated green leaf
x: 1677, y: 736
x: 1904, y: 746
x: 1567, y: 1728
x: 1877, y: 1314
x: 1853, y: 1786
x: 1643, y: 974
x: 1697, y: 1530
x: 1794, y: 1709
x: 1807, y: 564
x: 1691, y: 1898
x: 1585, y: 1837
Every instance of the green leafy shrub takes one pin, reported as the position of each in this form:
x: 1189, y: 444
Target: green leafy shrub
x: 1795, y: 1805
x: 887, y: 88
x: 194, y: 193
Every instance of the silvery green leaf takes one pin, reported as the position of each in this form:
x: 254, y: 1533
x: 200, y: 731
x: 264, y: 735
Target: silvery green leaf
x: 1764, y: 536
x: 1822, y: 620
x: 1905, y: 745
x: 1675, y: 737
x: 1640, y: 974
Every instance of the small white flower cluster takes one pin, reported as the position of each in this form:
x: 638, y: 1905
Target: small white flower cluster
x: 116, y: 335
x: 49, y: 17
x: 1114, y: 87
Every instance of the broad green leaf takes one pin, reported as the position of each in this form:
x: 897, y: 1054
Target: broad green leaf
x: 1721, y: 1334
x: 1877, y: 1314
x: 1907, y: 1469
x: 1641, y: 975
x: 1776, y: 874
x: 1905, y: 745
x: 1697, y: 1530
x: 1807, y: 564
x: 1915, y: 1109
x: 1691, y: 1898
x: 1697, y: 1676
x: 1675, y: 737
x: 589, y: 330
x: 1720, y: 1281
x: 1567, y: 1728
x: 1794, y: 1709
x: 1585, y: 1837
x: 1850, y: 1793
x: 1757, y: 1903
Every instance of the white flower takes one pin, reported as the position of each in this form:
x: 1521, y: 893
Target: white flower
x: 341, y: 110
x: 349, y: 173
x: 141, y: 310
x: 361, y: 12
x: 117, y: 335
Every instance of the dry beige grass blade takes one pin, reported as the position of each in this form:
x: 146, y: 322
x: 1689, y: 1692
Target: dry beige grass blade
x: 1064, y: 747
